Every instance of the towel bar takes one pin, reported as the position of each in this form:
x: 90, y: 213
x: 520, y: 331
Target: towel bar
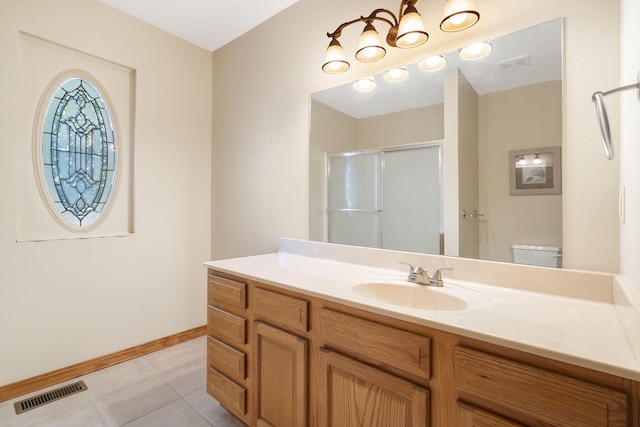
x: 601, y: 113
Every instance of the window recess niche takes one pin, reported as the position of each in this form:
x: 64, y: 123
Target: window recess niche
x: 44, y: 65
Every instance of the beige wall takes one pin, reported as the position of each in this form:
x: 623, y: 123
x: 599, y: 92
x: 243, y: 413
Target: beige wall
x: 67, y: 301
x: 261, y: 117
x: 510, y: 120
x: 406, y: 127
x: 460, y: 165
x: 467, y: 139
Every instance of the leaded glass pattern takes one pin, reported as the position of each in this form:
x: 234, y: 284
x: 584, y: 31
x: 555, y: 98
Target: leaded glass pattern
x: 78, y: 152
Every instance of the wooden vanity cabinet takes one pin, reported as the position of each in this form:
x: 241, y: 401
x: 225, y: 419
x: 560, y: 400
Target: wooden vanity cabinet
x: 280, y: 352
x: 281, y: 358
x: 227, y: 345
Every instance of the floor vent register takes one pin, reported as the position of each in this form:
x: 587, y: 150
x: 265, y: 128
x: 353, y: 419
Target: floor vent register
x: 48, y: 397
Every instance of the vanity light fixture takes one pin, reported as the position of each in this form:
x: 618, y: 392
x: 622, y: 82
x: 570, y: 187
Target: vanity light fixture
x: 433, y: 63
x: 335, y: 59
x: 459, y: 15
x: 396, y: 74
x: 407, y: 31
x: 366, y: 84
x: 370, y: 47
x: 411, y: 31
x: 521, y: 161
x: 537, y: 160
x: 475, y: 51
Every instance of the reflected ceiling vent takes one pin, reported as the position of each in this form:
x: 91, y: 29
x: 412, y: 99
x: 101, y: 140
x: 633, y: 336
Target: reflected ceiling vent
x: 514, y: 63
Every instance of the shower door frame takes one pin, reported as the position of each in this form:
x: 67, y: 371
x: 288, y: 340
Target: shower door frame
x: 439, y: 144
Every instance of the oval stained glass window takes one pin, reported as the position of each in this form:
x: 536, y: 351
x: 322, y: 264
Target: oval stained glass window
x: 78, y: 152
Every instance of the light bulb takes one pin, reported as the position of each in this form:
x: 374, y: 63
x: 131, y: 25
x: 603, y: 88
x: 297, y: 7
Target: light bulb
x: 458, y: 18
x: 365, y: 85
x: 370, y: 46
x: 411, y: 38
x: 433, y: 63
x: 459, y: 15
x: 369, y: 52
x: 475, y: 51
x: 335, y: 60
x: 475, y: 48
x: 396, y: 74
x: 411, y: 31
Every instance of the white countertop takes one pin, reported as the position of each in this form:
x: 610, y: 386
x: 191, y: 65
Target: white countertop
x: 582, y: 331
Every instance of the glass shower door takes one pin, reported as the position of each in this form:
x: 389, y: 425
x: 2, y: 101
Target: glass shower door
x: 354, y: 202
x: 412, y: 200
x: 387, y: 199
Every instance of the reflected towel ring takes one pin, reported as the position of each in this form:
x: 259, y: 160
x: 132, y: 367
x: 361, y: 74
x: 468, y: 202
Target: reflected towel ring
x: 601, y: 113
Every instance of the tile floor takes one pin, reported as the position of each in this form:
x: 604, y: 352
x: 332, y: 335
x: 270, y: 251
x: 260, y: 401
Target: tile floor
x: 165, y: 388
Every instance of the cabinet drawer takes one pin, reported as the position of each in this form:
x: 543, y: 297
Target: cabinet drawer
x: 470, y: 416
x: 230, y: 395
x: 226, y: 359
x: 534, y: 392
x: 395, y: 349
x: 281, y: 309
x: 226, y: 326
x: 227, y: 291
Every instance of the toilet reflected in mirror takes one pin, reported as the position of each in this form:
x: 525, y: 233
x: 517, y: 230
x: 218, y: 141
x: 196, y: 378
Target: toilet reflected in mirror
x: 543, y: 256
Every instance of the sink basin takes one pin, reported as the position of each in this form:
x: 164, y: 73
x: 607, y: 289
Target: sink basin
x: 404, y: 294
x: 409, y: 295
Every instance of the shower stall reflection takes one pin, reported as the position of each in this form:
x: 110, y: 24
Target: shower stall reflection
x: 386, y: 198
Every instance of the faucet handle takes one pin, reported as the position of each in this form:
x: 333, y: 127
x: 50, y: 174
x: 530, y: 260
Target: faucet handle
x: 437, y: 276
x: 414, y: 269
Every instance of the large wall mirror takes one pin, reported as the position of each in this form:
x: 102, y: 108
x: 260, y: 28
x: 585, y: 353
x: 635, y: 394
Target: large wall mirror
x: 489, y: 117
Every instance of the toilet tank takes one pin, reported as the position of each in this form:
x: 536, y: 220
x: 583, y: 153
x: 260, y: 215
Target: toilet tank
x: 543, y: 256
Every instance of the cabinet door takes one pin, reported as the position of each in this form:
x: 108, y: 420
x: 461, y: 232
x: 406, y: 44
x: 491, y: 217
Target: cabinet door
x: 281, y: 389
x: 351, y: 393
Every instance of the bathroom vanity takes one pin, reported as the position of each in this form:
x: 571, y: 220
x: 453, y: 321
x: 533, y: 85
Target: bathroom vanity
x: 300, y: 338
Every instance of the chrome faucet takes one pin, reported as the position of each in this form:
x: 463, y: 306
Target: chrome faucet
x: 436, y: 280
x: 420, y: 276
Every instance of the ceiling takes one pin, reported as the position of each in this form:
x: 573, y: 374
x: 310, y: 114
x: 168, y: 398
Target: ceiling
x: 209, y: 24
